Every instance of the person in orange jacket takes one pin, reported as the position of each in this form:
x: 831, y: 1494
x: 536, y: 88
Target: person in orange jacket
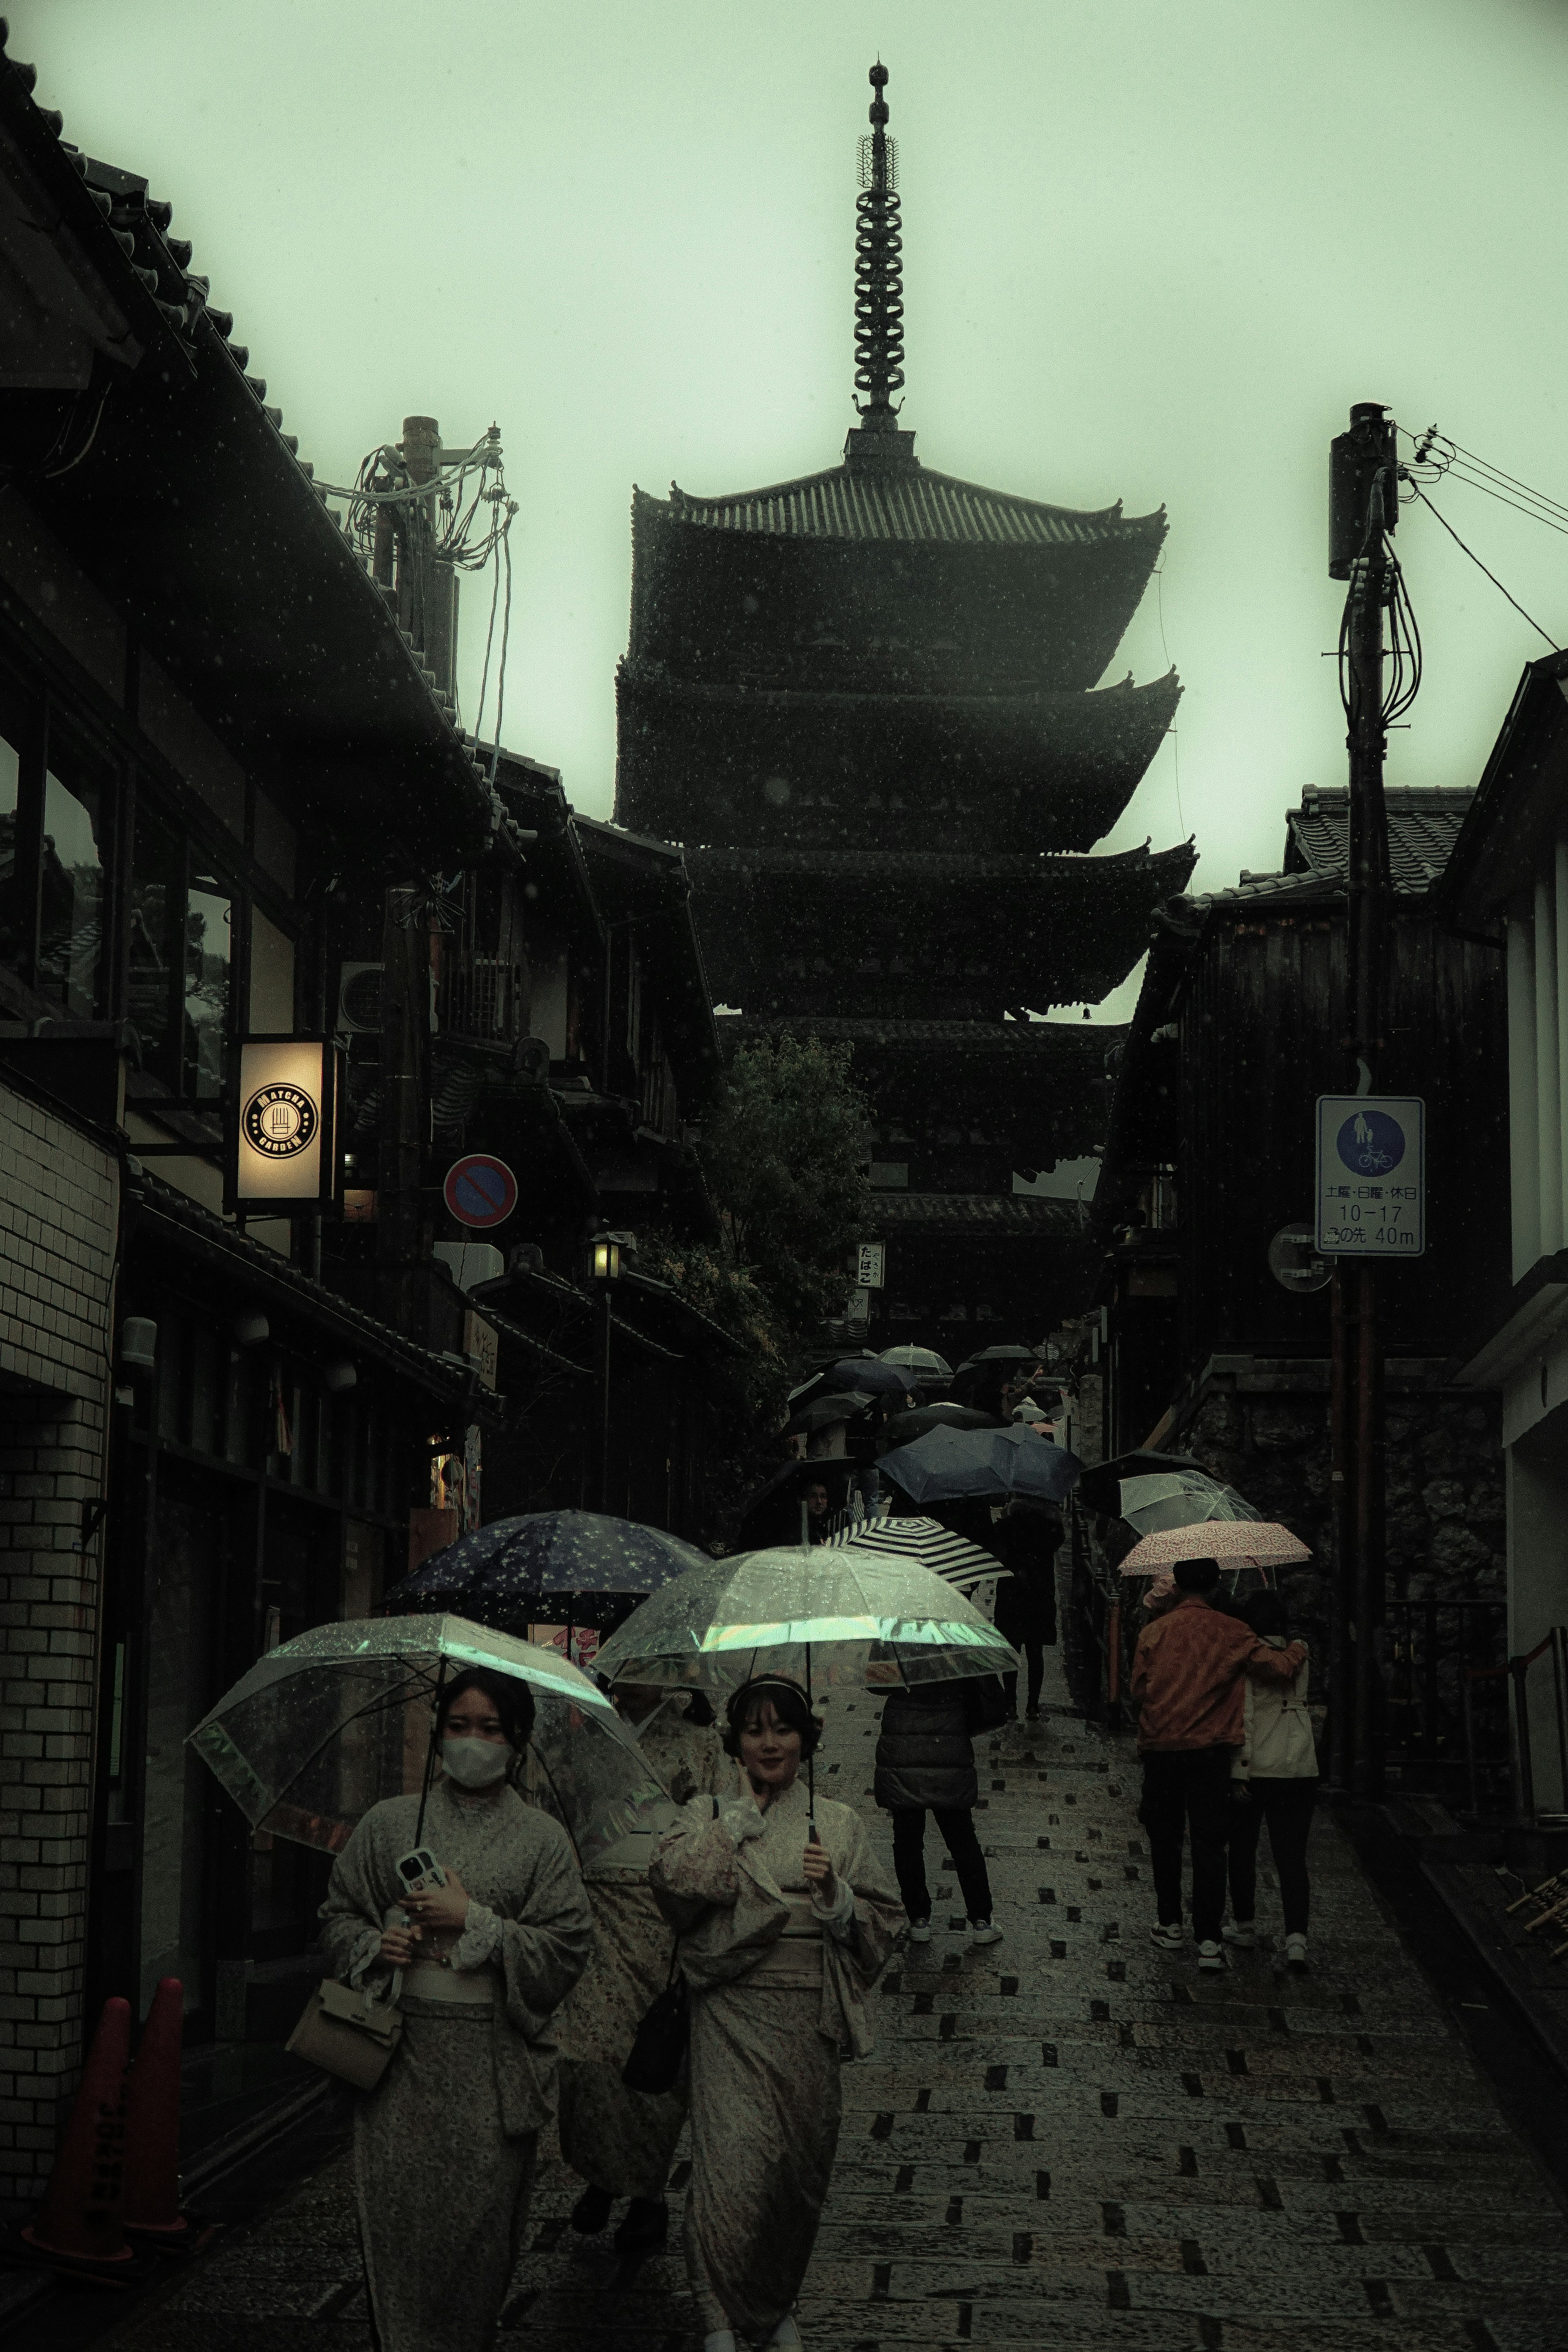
x: 1188, y: 1681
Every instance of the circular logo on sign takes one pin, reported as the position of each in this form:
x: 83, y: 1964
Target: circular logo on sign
x: 278, y: 1121
x: 1370, y: 1143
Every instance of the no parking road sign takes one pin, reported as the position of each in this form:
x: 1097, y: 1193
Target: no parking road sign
x: 1372, y: 1176
x: 479, y: 1191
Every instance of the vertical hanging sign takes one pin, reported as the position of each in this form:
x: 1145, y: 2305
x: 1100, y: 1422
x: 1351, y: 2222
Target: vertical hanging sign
x: 284, y: 1155
x: 1371, y: 1176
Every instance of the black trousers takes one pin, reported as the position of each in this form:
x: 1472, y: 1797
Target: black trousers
x: 1188, y: 1790
x: 956, y: 1823
x: 1035, y: 1659
x: 1287, y: 1807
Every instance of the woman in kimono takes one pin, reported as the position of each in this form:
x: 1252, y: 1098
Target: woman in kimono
x: 444, y: 2145
x: 621, y: 2142
x: 781, y: 1932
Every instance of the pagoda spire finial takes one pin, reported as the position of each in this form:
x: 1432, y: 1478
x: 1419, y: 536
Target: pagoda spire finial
x: 878, y: 287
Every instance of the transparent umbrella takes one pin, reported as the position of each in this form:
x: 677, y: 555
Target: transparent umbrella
x: 838, y: 1616
x: 327, y: 1725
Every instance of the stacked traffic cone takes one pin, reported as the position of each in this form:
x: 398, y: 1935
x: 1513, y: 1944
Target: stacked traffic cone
x: 152, y: 2123
x: 79, y: 2226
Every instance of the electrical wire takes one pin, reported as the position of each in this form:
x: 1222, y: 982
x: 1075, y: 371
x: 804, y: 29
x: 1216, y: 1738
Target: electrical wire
x: 1436, y: 457
x: 1475, y: 560
x: 501, y: 670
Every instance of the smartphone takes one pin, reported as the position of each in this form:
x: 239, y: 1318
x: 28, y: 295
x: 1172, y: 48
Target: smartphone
x: 419, y: 1871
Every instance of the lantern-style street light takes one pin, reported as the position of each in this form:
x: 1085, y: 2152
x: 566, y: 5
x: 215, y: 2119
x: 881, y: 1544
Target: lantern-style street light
x: 606, y: 1250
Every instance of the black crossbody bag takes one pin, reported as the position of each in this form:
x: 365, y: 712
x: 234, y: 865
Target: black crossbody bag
x: 664, y: 2033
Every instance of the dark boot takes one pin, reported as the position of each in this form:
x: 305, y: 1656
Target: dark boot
x: 592, y: 2210
x: 644, y: 2230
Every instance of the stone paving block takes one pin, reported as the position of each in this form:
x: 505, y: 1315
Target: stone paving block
x: 1071, y: 2140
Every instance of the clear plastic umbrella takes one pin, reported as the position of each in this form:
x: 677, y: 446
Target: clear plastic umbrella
x: 327, y: 1725
x: 1180, y: 1499
x: 842, y: 1613
x: 838, y: 1615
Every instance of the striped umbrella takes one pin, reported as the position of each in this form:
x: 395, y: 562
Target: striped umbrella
x: 952, y: 1556
x: 1261, y: 1541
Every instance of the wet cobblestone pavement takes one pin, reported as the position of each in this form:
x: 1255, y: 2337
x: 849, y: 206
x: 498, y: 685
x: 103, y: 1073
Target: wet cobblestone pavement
x: 1066, y: 2138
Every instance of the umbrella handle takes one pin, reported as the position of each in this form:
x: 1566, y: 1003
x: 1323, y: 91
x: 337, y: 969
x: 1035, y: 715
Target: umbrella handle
x: 430, y: 1752
x: 811, y: 1760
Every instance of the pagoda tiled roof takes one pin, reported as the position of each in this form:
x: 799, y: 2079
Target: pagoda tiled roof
x: 910, y: 503
x: 1026, y: 1039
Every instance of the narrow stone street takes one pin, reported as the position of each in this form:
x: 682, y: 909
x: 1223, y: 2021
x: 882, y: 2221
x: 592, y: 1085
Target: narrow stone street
x: 1070, y: 2138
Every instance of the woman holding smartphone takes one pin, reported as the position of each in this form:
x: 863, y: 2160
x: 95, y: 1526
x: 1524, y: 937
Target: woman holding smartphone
x: 784, y: 1923
x: 444, y: 2145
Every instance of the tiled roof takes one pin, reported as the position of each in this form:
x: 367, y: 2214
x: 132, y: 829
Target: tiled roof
x: 980, y: 1211
x: 1424, y: 823
x: 1022, y: 1037
x: 909, y: 503
x: 940, y: 866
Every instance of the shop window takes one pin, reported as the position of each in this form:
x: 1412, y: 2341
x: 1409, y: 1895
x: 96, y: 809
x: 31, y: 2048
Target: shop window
x: 73, y: 902
x: 209, y: 958
x: 153, y: 953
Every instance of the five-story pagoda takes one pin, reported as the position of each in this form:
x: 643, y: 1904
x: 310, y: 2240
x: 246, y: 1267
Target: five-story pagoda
x: 866, y: 701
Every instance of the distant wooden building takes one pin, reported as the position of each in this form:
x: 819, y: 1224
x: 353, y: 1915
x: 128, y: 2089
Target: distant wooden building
x: 1199, y: 1346
x: 866, y: 703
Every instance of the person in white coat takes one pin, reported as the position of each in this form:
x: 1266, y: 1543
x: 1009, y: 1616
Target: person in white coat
x: 1279, y: 1768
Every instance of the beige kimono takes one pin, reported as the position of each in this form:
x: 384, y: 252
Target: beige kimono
x: 623, y: 2141
x: 444, y: 2145
x: 778, y: 2001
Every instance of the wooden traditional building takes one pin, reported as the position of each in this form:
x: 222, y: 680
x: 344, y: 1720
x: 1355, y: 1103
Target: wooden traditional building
x: 1506, y: 887
x: 235, y: 799
x: 1198, y: 1345
x: 866, y: 702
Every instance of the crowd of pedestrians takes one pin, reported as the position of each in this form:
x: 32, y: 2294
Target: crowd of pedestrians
x: 756, y: 1920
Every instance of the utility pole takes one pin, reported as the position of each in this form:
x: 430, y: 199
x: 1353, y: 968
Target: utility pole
x: 1364, y: 507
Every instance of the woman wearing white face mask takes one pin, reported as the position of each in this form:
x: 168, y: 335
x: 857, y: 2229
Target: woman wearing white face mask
x: 445, y: 2145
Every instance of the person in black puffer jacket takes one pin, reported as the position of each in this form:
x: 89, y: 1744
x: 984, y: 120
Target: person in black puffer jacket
x: 925, y: 1762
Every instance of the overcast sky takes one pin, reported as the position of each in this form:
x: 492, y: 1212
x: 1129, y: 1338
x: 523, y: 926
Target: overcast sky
x: 1153, y: 250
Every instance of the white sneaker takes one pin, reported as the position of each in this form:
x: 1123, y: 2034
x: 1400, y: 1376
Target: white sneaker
x: 1169, y: 1935
x: 1242, y: 1933
x: 721, y: 2340
x: 1296, y: 1952
x: 1211, y: 1956
x: 920, y: 1931
x: 787, y: 2333
x: 981, y: 1931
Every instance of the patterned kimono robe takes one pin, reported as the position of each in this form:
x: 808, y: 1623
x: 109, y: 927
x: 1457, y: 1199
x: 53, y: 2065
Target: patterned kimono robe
x: 444, y: 2145
x: 623, y: 2141
x: 777, y: 2003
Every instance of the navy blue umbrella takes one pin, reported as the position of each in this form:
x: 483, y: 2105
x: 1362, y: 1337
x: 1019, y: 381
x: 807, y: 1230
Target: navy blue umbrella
x: 947, y: 1463
x: 573, y: 1567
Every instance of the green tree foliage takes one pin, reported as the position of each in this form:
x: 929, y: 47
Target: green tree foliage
x: 783, y: 1148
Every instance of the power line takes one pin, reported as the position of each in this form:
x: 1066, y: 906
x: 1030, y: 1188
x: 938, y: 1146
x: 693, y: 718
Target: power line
x: 1475, y: 560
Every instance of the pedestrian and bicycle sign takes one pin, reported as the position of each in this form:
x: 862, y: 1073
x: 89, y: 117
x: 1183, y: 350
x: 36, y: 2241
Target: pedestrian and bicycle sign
x: 479, y: 1191
x: 1372, y: 1176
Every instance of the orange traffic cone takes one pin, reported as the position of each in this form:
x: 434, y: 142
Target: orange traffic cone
x: 79, y: 2223
x: 152, y: 2122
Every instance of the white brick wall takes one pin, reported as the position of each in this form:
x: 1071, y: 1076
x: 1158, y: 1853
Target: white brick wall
x: 58, y: 1221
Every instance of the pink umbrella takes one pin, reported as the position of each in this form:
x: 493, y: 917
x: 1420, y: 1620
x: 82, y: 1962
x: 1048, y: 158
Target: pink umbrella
x: 1259, y: 1541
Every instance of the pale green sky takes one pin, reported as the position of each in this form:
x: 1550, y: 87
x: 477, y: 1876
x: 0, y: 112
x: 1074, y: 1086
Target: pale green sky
x: 1154, y: 248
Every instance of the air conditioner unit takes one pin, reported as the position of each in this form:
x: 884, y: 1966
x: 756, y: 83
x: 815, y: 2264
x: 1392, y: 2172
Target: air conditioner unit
x: 359, y: 999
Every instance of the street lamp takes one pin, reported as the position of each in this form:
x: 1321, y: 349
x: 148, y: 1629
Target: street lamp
x: 604, y: 1264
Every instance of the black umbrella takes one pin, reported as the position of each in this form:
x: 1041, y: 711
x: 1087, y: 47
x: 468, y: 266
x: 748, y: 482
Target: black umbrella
x: 902, y: 1428
x: 824, y: 1411
x: 553, y: 1566
x: 950, y: 1463
x: 1009, y: 1355
x: 867, y: 1372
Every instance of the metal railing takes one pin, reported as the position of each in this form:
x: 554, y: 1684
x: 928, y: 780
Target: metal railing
x: 1431, y: 1647
x: 481, y: 997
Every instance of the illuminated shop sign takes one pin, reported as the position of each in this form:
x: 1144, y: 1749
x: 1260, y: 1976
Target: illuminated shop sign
x: 284, y: 1151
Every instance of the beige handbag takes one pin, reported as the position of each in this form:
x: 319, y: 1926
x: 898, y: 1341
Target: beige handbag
x: 346, y: 2034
